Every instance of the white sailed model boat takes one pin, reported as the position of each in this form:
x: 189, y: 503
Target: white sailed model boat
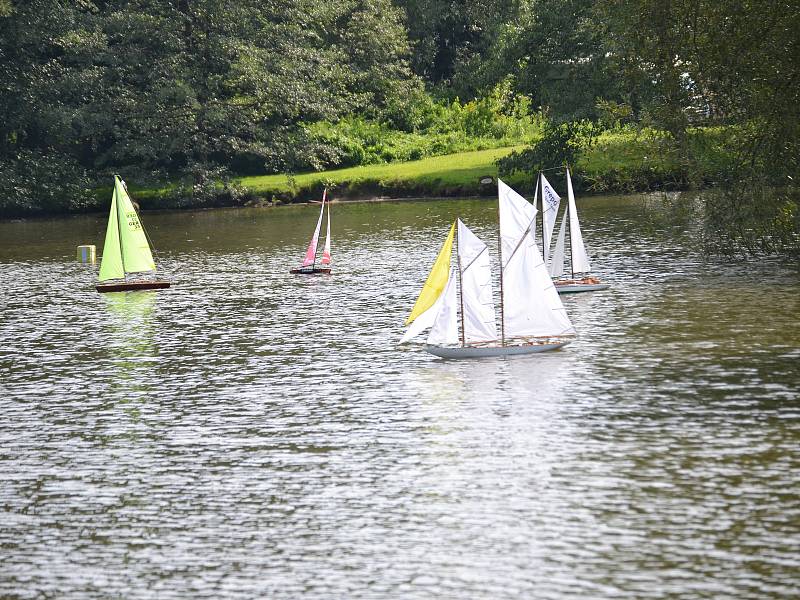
x: 532, y: 318
x: 309, y: 265
x: 580, y: 279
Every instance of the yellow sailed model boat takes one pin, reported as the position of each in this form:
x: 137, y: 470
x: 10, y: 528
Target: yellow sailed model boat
x: 532, y: 317
x: 127, y: 262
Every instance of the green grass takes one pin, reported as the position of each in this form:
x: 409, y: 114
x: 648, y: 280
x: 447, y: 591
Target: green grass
x: 439, y: 174
x: 620, y: 161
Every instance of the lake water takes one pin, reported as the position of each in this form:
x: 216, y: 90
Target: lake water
x: 248, y: 433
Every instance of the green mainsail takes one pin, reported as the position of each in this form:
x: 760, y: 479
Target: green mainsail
x: 126, y: 249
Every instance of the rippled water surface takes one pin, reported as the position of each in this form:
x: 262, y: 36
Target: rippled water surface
x: 248, y: 433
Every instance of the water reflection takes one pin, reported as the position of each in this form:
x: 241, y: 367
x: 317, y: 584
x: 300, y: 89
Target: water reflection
x: 248, y: 433
x: 130, y: 342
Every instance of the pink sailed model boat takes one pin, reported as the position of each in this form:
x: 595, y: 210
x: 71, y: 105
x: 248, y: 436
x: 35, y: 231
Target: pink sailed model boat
x: 309, y: 266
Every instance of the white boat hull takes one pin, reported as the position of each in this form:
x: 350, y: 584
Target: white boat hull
x: 489, y: 351
x: 571, y: 288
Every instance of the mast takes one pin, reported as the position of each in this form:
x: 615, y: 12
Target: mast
x: 316, y: 248
x: 540, y: 187
x: 460, y: 283
x: 569, y: 225
x: 119, y: 233
x: 500, y: 256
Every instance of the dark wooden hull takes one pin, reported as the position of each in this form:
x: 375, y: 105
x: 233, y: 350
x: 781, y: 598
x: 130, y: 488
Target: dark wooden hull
x: 130, y: 286
x: 311, y: 271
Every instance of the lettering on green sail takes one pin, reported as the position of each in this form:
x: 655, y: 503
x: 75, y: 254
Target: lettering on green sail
x: 133, y: 221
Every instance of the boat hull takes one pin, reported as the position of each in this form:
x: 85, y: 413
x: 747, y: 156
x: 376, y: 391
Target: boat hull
x: 131, y: 286
x: 587, y: 284
x: 490, y: 351
x: 311, y: 271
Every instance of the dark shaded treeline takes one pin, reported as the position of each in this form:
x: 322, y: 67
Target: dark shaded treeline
x: 194, y: 91
x: 173, y: 87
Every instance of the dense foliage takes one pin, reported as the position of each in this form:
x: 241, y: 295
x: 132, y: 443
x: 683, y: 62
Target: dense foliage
x: 185, y: 88
x: 500, y: 118
x: 195, y: 91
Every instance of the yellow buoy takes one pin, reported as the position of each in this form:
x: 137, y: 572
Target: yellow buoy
x: 87, y: 254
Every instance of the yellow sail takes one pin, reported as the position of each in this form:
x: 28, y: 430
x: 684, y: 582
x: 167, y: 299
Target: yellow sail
x: 111, y: 262
x: 136, y: 255
x: 126, y: 249
x: 437, y: 279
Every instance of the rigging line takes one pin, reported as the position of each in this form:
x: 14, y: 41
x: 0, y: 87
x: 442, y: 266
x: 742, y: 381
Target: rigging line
x: 521, y: 239
x: 464, y: 270
x: 540, y: 184
x: 500, y: 257
x: 460, y: 285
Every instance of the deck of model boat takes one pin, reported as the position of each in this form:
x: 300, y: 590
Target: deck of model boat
x: 310, y: 271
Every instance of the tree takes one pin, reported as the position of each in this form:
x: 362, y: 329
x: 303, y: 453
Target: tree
x: 721, y: 61
x: 157, y: 87
x: 451, y: 39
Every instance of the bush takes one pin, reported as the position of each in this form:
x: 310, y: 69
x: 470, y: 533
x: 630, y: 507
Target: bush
x: 435, y: 128
x: 35, y: 182
x: 752, y: 220
x: 204, y: 187
x: 561, y: 144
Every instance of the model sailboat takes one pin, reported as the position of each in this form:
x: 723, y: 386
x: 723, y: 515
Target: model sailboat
x: 532, y: 318
x: 127, y: 258
x: 580, y: 278
x: 309, y: 266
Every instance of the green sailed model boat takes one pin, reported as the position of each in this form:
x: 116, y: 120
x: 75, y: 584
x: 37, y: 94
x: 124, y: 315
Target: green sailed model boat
x: 127, y: 262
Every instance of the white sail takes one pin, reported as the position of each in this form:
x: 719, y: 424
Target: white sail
x: 557, y: 264
x: 423, y: 321
x: 445, y: 325
x: 535, y: 204
x: 531, y: 305
x: 580, y: 260
x: 517, y: 216
x: 476, y: 287
x: 550, y: 203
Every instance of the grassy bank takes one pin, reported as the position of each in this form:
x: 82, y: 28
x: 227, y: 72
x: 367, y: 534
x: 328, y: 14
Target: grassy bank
x: 620, y: 161
x: 451, y: 175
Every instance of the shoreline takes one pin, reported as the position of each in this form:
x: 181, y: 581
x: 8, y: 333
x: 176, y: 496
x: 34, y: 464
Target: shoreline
x: 620, y: 164
x: 102, y: 212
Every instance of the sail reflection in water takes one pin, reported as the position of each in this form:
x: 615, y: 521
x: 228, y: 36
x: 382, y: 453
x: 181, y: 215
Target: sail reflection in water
x: 130, y: 342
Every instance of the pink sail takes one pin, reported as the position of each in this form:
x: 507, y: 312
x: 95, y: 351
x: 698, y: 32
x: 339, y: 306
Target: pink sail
x: 311, y: 252
x: 326, y: 253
